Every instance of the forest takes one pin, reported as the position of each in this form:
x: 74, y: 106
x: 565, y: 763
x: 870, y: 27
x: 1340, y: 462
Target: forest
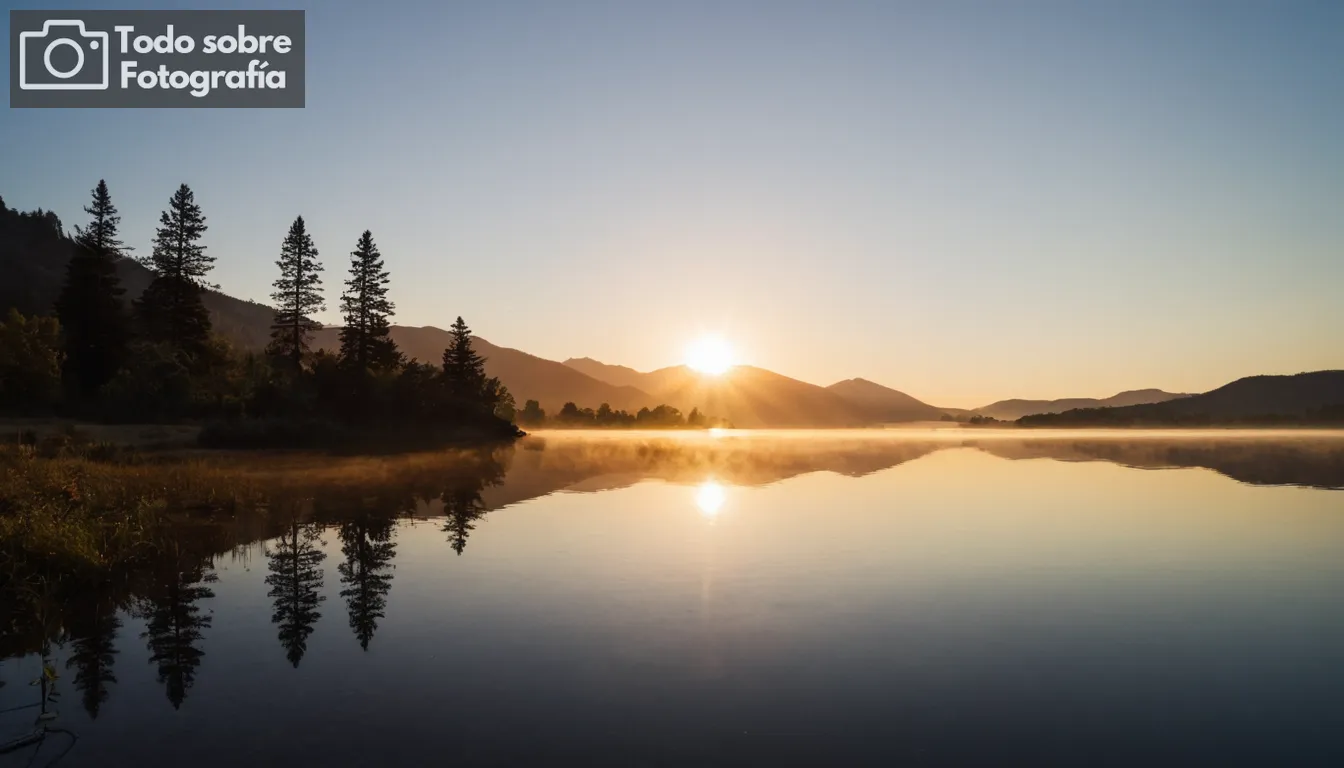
x: 158, y: 359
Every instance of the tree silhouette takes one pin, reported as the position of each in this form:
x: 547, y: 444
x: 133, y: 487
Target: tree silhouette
x: 696, y: 418
x: 93, y: 633
x: 366, y: 542
x: 532, y: 413
x: 472, y: 396
x: 463, y: 368
x: 174, y: 625
x: 171, y: 308
x: 93, y: 320
x: 295, y: 581
x: 365, y: 343
x: 296, y: 295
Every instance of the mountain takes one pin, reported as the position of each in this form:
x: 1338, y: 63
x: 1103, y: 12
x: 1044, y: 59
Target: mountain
x: 1012, y: 410
x: 34, y: 252
x: 619, y: 375
x: 882, y: 404
x: 1311, y: 397
x: 528, y: 377
x: 746, y: 396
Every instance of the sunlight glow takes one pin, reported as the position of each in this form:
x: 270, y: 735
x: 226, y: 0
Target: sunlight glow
x: 710, y: 355
x: 709, y: 497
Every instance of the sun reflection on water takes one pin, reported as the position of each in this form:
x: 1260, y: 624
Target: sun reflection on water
x: 709, y: 497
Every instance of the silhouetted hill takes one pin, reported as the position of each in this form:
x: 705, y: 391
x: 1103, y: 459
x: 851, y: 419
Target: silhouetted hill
x: 528, y: 377
x: 884, y: 404
x: 753, y: 397
x: 746, y: 396
x: 1012, y: 410
x: 619, y: 375
x: 34, y: 252
x: 1305, y: 397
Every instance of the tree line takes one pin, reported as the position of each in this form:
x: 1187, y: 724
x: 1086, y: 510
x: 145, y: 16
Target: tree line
x: 159, y: 358
x: 573, y: 417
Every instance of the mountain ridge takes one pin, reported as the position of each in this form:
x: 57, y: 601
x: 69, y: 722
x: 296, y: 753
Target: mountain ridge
x: 1015, y: 408
x: 746, y: 396
x: 1315, y: 396
x: 34, y: 252
x: 883, y: 404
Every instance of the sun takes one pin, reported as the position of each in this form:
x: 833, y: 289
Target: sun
x: 710, y: 355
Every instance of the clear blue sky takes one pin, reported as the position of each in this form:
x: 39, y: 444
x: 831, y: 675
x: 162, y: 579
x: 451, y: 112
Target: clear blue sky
x: 965, y: 201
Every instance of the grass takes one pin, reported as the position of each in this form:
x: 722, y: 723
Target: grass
x: 69, y: 507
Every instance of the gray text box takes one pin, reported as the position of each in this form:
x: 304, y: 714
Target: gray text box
x: 128, y: 59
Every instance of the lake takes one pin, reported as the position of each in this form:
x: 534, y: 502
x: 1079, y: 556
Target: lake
x: 873, y: 598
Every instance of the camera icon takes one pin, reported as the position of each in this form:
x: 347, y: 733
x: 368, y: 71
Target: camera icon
x: 46, y: 67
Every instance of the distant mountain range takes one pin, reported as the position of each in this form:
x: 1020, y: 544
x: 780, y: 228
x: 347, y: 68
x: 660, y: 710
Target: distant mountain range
x: 745, y: 395
x: 32, y: 267
x: 1012, y: 410
x: 1316, y: 397
x: 528, y: 377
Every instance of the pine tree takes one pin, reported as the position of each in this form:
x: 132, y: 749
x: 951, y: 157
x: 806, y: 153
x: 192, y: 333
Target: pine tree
x: 296, y: 582
x: 296, y: 295
x: 367, y: 545
x: 171, y: 307
x: 92, y: 318
x: 463, y: 369
x: 365, y: 343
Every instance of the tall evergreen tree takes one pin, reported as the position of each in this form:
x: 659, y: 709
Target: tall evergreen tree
x: 295, y: 582
x: 93, y: 320
x: 171, y: 307
x: 366, y: 542
x: 463, y: 369
x: 365, y: 343
x: 296, y: 295
x: 93, y: 633
x: 174, y: 626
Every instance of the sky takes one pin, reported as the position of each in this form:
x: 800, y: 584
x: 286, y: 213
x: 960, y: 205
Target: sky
x: 966, y: 201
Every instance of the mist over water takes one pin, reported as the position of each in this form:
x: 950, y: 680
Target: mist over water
x: 926, y: 597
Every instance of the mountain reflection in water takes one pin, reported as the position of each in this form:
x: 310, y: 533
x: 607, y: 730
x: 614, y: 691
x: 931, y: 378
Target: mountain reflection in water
x: 326, y: 531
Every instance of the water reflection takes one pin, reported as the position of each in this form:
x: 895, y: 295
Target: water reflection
x: 311, y: 510
x: 366, y: 578
x: 93, y: 630
x: 296, y: 584
x: 174, y: 622
x: 709, y: 497
x: 461, y: 497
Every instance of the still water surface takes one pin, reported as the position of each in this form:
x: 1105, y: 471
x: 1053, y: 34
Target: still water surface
x: 733, y: 600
